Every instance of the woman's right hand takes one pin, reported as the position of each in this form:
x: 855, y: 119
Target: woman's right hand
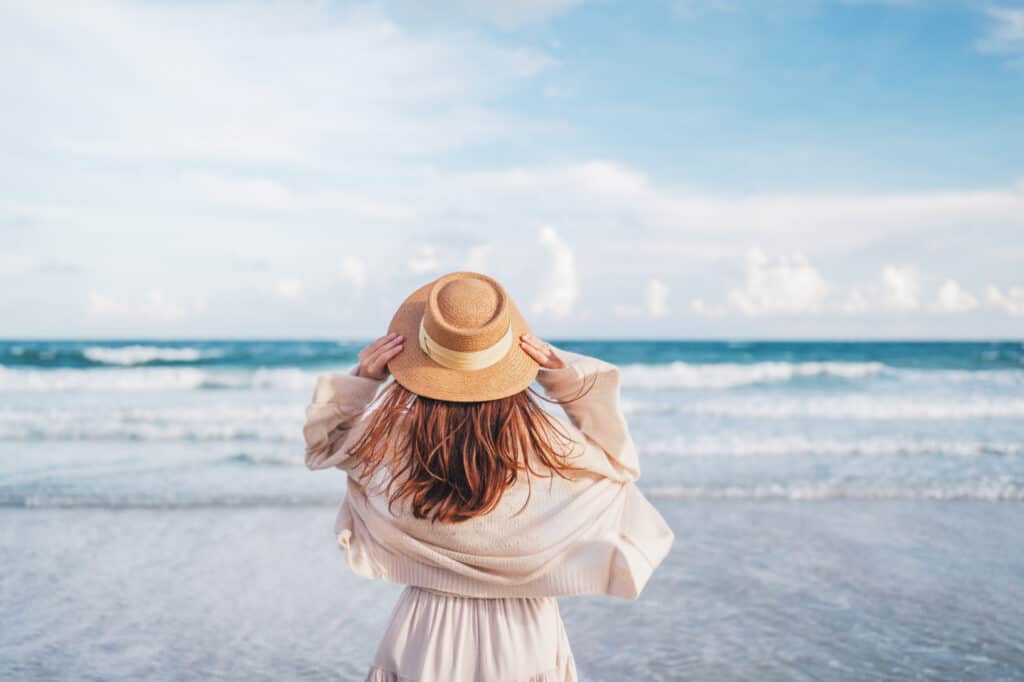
x: 540, y: 351
x: 373, y: 360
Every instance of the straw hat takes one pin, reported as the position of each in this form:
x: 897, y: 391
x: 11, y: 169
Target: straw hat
x: 461, y: 341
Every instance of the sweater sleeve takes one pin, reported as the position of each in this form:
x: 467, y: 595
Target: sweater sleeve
x: 608, y: 448
x: 337, y: 404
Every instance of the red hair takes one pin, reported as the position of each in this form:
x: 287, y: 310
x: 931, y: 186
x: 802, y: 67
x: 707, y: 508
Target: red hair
x: 452, y: 461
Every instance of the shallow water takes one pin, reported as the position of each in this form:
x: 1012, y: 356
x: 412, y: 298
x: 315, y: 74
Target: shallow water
x: 765, y: 590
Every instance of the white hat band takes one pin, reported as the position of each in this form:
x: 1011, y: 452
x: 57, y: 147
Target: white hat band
x: 465, y: 360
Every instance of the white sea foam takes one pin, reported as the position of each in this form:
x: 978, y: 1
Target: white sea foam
x: 985, y: 491
x: 268, y: 423
x: 675, y: 375
x: 982, y: 491
x: 100, y: 501
x: 756, y: 445
x: 140, y: 355
x: 728, y: 375
x: 846, y: 407
x: 153, y: 379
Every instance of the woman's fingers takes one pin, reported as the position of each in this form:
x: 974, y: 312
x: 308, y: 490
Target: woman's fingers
x: 374, y: 358
x: 377, y: 345
x: 542, y: 348
x: 539, y: 351
x: 387, y: 338
x: 534, y: 352
x: 379, y: 363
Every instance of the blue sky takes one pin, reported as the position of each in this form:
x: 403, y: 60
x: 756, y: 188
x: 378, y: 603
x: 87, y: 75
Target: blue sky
x: 701, y: 168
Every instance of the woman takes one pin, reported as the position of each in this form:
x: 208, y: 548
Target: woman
x: 462, y: 488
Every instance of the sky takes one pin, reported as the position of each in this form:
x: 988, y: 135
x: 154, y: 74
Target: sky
x: 833, y: 169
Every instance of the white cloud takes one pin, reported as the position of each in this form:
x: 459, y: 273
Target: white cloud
x: 478, y: 258
x: 154, y: 306
x: 424, y: 260
x: 953, y: 298
x: 900, y: 287
x: 157, y: 307
x: 856, y: 302
x: 558, y: 91
x: 605, y: 194
x: 701, y: 307
x: 1012, y: 301
x: 607, y: 178
x: 101, y: 304
x: 510, y: 14
x: 235, y: 191
x: 786, y: 284
x: 656, y: 298
x: 691, y: 8
x: 558, y: 294
x: 655, y: 302
x: 315, y: 115
x: 353, y: 269
x: 290, y: 288
x: 304, y: 85
x: 1007, y: 33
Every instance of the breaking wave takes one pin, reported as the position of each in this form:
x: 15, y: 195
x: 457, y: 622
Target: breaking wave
x: 142, y: 355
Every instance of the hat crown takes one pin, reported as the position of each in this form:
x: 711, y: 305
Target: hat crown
x: 467, y: 303
x: 466, y: 311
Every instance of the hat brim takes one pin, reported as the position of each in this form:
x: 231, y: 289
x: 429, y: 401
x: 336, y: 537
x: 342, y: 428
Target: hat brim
x: 414, y: 370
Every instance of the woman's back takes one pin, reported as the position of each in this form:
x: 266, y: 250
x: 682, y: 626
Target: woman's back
x: 590, y: 532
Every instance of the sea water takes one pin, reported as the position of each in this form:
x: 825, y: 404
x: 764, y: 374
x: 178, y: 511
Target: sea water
x: 218, y: 423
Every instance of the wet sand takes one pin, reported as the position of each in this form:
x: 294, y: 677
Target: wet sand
x: 766, y: 590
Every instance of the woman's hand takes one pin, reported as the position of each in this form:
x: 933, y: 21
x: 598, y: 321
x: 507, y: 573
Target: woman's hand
x: 540, y: 351
x: 373, y: 360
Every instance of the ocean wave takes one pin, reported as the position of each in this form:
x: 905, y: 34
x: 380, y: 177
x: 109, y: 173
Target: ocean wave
x: 236, y: 354
x: 683, y: 375
x: 136, y: 373
x: 729, y: 375
x: 142, y: 355
x: 754, y: 445
x: 250, y: 459
x: 845, y: 407
x: 154, y: 379
x: 268, y: 423
x: 983, y: 492
x: 100, y: 501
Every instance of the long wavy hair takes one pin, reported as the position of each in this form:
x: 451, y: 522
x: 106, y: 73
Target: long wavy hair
x: 452, y: 461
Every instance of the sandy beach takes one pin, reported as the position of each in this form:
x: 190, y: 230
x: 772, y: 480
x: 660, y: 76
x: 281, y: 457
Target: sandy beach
x: 769, y: 590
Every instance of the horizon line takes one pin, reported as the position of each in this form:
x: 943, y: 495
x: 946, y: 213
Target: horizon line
x: 553, y: 339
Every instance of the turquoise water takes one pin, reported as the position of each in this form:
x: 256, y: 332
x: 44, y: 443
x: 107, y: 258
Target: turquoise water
x: 211, y: 423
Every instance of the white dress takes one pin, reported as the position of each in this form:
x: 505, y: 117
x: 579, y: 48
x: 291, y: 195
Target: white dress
x: 440, y: 637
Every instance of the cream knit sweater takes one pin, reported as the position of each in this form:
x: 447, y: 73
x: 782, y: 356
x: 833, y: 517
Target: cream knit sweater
x: 593, y: 534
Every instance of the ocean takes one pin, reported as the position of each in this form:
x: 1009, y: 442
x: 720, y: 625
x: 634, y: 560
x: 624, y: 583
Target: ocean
x: 158, y: 522
x: 218, y: 423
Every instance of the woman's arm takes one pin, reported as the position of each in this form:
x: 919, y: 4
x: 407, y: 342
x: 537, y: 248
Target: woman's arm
x: 609, y: 448
x: 339, y: 400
